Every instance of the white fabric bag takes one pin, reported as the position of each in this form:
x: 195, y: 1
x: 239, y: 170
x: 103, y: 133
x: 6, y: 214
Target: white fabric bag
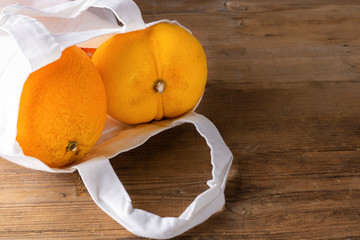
x: 33, y: 35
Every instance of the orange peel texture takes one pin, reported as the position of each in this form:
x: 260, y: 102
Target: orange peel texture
x: 62, y: 110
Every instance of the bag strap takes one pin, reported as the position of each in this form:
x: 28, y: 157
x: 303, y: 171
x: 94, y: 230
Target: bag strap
x: 125, y: 11
x: 34, y: 40
x: 115, y: 201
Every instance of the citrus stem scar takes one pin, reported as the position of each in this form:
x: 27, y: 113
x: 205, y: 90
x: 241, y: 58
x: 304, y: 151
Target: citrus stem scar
x: 72, y: 146
x: 159, y: 86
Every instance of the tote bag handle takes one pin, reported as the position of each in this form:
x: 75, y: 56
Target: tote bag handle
x: 115, y: 201
x: 125, y: 11
x: 35, y: 42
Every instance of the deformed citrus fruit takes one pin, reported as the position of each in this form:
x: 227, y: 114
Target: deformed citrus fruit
x: 62, y: 110
x: 159, y: 72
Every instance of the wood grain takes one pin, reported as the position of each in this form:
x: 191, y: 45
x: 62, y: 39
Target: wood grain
x: 283, y: 90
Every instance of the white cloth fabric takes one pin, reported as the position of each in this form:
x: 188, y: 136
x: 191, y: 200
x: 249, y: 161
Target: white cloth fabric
x: 32, y: 35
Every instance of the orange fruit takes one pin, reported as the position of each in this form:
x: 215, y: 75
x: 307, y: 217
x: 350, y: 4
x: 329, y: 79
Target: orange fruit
x: 62, y: 110
x: 159, y: 72
x: 89, y: 51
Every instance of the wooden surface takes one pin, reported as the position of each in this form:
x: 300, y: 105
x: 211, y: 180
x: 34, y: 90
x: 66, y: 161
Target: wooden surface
x: 283, y: 90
